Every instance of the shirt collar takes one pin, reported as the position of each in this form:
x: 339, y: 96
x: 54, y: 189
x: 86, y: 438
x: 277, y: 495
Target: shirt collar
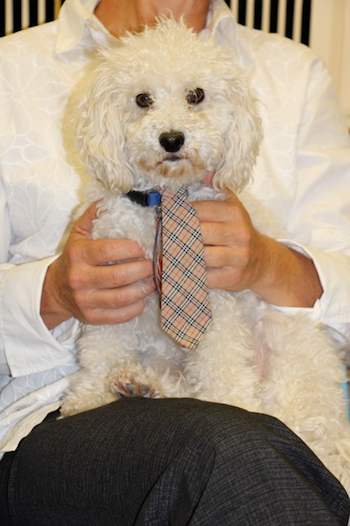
x: 72, y: 21
x: 78, y: 15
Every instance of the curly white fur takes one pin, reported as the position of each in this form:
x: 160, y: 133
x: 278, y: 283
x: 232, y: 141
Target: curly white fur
x: 252, y: 356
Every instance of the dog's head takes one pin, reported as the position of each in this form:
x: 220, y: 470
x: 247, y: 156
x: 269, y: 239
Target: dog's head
x: 164, y: 108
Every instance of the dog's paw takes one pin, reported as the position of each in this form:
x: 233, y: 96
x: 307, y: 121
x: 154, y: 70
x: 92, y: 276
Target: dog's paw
x: 130, y: 383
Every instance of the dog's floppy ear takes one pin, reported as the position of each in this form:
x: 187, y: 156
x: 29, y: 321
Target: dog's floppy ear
x: 243, y: 138
x: 99, y: 130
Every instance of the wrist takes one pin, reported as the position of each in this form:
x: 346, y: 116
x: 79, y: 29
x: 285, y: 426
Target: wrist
x: 285, y: 277
x: 262, y: 275
x: 52, y: 310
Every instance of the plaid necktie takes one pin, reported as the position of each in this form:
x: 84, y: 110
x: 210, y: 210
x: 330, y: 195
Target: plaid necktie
x: 184, y: 300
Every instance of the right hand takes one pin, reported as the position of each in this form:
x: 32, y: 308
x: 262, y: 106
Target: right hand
x: 82, y: 283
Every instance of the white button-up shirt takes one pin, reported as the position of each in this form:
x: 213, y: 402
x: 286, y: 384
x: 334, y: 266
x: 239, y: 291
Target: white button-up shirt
x: 302, y: 176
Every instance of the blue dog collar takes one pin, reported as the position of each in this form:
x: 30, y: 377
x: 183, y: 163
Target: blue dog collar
x: 148, y: 198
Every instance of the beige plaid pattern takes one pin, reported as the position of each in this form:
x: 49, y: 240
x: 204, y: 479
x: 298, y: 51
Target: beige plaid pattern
x: 184, y: 300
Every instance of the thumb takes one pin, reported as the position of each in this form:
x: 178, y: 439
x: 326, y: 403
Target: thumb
x: 83, y: 225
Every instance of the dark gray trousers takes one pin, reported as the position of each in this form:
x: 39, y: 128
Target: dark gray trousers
x: 167, y: 462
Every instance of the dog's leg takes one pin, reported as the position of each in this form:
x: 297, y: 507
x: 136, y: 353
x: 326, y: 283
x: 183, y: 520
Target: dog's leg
x: 303, y: 388
x: 100, y: 350
x: 157, y: 370
x: 222, y: 369
x: 87, y: 391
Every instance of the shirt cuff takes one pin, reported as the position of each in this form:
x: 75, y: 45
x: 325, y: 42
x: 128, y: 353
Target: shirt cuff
x: 29, y: 345
x: 333, y: 308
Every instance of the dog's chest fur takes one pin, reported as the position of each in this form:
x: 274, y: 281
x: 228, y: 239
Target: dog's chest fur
x: 118, y: 217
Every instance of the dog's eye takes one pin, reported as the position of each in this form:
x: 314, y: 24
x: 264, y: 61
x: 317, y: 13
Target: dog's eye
x: 195, y: 96
x: 144, y: 100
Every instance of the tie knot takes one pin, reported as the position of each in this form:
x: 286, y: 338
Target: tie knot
x: 170, y: 198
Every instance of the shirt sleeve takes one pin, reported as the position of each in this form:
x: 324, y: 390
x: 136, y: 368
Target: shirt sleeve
x: 319, y: 220
x: 26, y: 345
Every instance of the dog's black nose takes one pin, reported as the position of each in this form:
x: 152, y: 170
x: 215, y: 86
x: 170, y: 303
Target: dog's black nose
x: 172, y: 141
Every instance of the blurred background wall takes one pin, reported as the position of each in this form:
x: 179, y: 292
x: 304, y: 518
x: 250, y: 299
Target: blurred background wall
x: 322, y: 24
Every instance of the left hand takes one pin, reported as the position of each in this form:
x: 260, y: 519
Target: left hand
x: 239, y: 257
x: 233, y: 247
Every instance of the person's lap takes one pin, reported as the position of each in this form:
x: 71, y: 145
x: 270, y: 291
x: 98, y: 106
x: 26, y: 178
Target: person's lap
x: 164, y: 462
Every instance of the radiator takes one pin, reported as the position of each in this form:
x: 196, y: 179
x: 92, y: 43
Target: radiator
x: 20, y: 14
x: 290, y: 18
x: 287, y: 17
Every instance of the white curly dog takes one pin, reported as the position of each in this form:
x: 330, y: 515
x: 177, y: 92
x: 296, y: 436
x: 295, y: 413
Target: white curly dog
x: 165, y: 80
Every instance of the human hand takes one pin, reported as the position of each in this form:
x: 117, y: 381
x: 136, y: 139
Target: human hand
x: 234, y: 249
x: 82, y: 283
x: 239, y: 257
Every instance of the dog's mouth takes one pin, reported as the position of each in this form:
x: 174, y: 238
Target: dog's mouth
x: 180, y: 167
x: 172, y: 158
